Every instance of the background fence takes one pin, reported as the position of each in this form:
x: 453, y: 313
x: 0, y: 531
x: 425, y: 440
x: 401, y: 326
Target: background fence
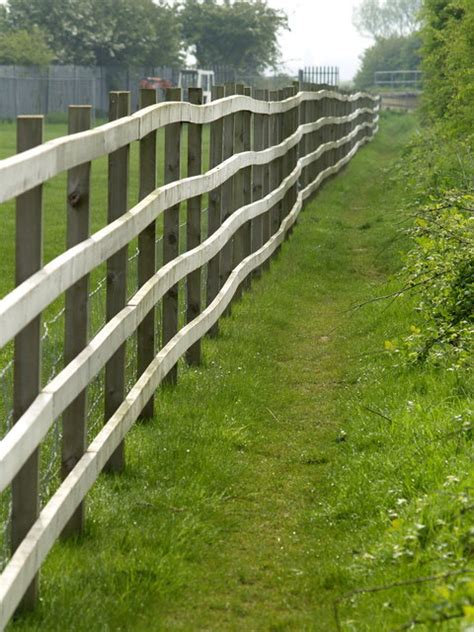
x: 412, y: 79
x: 52, y: 89
x: 242, y: 167
x: 328, y: 75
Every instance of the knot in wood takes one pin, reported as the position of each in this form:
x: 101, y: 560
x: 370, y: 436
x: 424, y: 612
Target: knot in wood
x: 74, y: 198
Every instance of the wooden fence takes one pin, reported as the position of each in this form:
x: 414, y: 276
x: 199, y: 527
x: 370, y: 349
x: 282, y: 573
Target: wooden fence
x: 268, y: 154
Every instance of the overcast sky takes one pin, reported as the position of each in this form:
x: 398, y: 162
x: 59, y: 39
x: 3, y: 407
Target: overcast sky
x: 321, y: 34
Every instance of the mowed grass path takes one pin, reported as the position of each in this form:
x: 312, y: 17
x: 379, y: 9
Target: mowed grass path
x: 214, y: 524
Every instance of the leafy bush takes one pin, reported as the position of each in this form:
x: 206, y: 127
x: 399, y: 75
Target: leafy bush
x: 441, y: 268
x: 436, y: 161
x: 25, y: 48
x: 437, y: 169
x: 448, y: 63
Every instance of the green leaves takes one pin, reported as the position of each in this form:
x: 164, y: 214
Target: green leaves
x: 382, y: 19
x: 391, y: 53
x: 241, y: 34
x: 102, y: 32
x: 24, y: 48
x: 442, y: 263
x: 448, y: 63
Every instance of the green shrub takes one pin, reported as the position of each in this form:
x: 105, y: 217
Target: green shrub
x: 437, y: 169
x: 25, y: 48
x: 440, y: 266
x: 448, y: 63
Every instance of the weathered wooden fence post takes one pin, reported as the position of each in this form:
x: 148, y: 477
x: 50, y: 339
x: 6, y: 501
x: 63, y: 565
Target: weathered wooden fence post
x: 316, y: 137
x: 146, y: 264
x: 193, y: 226
x: 77, y: 311
x: 266, y: 218
x: 238, y: 198
x: 346, y: 126
x: 289, y: 159
x: 333, y: 130
x: 295, y: 118
x: 353, y: 122
x: 247, y: 182
x: 305, y: 141
x: 117, y: 272
x: 282, y: 126
x: 327, y: 104
x: 258, y: 175
x: 171, y: 230
x: 227, y: 192
x: 339, y: 130
x: 214, y: 212
x: 275, y: 166
x: 27, y: 353
x: 364, y: 118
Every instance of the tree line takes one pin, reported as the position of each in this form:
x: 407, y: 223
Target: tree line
x: 242, y: 34
x: 435, y: 36
x: 394, y: 25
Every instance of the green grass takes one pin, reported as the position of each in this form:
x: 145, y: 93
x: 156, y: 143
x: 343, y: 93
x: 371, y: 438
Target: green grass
x: 266, y: 487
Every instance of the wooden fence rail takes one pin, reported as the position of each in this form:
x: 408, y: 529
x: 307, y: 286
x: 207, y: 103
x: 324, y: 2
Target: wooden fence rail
x: 268, y: 154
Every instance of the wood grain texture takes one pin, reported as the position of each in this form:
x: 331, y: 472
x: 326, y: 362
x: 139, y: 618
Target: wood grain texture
x: 193, y: 227
x: 258, y: 137
x: 214, y: 212
x: 27, y: 348
x: 76, y: 329
x: 171, y: 228
x: 239, y: 246
x: 146, y: 264
x: 117, y: 267
x: 227, y: 191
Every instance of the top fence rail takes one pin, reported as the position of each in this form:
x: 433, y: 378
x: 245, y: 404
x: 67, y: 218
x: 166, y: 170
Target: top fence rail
x: 24, y: 171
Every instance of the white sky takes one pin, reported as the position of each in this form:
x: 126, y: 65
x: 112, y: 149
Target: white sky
x: 321, y: 34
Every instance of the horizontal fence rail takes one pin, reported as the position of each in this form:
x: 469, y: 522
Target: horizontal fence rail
x: 256, y: 185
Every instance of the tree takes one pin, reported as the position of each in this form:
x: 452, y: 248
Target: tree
x: 103, y: 32
x: 448, y: 63
x: 382, y: 19
x: 24, y: 48
x: 391, y: 53
x: 242, y: 34
x: 3, y: 18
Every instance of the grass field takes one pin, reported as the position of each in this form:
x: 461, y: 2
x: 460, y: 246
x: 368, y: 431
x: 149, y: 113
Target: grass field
x: 300, y: 466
